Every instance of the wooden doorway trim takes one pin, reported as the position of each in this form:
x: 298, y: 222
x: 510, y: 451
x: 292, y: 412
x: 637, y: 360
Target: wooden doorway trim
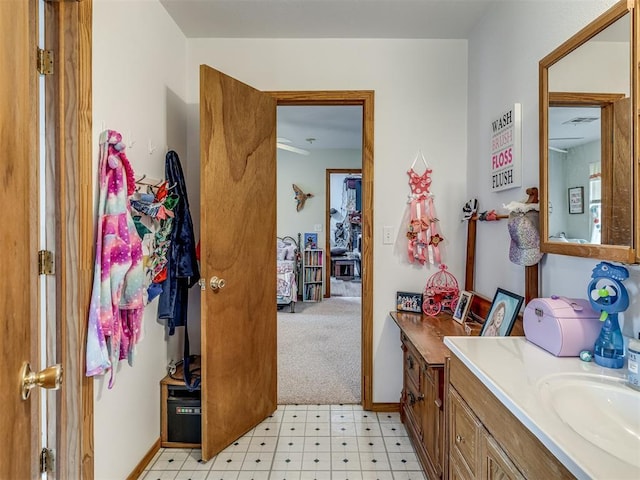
x: 365, y: 99
x: 68, y: 27
x: 327, y: 216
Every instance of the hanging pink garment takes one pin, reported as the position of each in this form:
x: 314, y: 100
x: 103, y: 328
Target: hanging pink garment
x: 422, y: 231
x: 115, y: 314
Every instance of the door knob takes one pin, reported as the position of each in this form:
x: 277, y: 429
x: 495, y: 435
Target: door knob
x: 217, y: 283
x: 49, y: 378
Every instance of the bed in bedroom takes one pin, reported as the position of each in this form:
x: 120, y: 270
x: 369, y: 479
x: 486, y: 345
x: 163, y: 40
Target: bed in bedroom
x: 288, y: 266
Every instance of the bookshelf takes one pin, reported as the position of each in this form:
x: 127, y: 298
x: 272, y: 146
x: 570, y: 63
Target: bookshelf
x: 312, y: 275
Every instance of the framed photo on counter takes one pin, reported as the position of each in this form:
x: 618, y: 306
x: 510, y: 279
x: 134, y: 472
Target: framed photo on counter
x: 502, y: 314
x: 462, y: 306
x: 409, y: 302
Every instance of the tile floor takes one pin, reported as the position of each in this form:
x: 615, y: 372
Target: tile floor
x: 303, y: 442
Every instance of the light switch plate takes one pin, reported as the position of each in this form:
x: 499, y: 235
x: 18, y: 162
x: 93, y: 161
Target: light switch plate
x: 387, y: 235
x: 317, y: 227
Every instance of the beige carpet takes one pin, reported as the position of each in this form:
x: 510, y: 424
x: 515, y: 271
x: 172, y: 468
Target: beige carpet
x: 346, y: 288
x: 319, y: 350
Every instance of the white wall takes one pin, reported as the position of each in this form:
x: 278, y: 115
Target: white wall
x: 504, y: 51
x: 146, y: 86
x: 308, y: 172
x: 138, y: 90
x: 420, y: 104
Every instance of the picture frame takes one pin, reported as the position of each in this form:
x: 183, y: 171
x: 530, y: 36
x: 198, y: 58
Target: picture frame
x: 310, y: 241
x: 576, y: 200
x: 502, y: 314
x: 462, y: 306
x: 409, y: 302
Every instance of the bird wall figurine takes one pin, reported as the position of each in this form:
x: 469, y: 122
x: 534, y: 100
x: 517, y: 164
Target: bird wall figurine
x: 300, y: 197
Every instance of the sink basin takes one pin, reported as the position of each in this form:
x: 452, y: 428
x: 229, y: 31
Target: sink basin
x: 602, y: 410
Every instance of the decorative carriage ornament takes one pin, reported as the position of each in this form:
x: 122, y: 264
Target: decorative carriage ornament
x: 441, y: 291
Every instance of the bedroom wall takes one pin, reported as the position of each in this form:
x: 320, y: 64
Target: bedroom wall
x: 420, y: 104
x: 308, y: 172
x: 139, y: 90
x: 504, y: 51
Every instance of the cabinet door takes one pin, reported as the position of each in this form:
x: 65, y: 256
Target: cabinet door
x: 414, y: 404
x: 432, y: 417
x: 458, y: 470
x: 464, y: 433
x: 411, y: 363
x: 495, y: 463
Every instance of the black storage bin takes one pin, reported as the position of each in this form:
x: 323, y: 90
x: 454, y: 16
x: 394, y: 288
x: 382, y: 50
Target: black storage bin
x: 183, y: 415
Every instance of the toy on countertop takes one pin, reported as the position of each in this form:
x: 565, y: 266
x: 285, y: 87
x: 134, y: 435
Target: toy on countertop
x: 441, y: 291
x: 608, y: 296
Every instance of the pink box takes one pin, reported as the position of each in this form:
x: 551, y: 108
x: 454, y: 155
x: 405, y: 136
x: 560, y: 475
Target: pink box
x: 562, y: 326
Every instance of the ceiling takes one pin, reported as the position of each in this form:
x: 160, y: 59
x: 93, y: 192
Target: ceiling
x: 445, y: 19
x: 340, y: 126
x: 321, y: 127
x: 573, y: 126
x: 331, y: 127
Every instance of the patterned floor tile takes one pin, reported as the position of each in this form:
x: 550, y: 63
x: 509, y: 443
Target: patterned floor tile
x: 303, y: 442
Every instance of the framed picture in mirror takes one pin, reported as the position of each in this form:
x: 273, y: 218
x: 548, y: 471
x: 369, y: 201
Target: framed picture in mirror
x: 576, y: 200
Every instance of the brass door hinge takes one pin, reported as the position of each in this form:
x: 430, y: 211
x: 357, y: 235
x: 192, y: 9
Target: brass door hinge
x: 46, y: 460
x: 45, y: 62
x: 45, y: 263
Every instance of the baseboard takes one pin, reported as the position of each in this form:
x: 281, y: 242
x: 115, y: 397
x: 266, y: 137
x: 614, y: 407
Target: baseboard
x: 135, y: 474
x: 385, y: 407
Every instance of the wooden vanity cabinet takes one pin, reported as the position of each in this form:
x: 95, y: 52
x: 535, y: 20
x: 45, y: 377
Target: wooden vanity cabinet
x: 473, y: 451
x: 421, y: 408
x: 486, y: 441
x: 422, y: 402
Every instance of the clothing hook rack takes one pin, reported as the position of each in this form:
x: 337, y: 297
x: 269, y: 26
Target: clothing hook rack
x: 151, y: 182
x: 531, y: 273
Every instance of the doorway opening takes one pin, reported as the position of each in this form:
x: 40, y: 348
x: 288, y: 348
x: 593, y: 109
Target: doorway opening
x: 344, y: 232
x: 364, y: 99
x: 319, y: 346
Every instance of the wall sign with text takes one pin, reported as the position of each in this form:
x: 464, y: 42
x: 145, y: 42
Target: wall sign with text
x: 506, y: 154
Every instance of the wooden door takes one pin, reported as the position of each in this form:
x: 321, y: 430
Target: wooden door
x: 18, y: 239
x: 238, y: 244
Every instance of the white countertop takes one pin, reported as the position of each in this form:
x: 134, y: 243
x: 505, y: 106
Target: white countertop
x: 511, y: 368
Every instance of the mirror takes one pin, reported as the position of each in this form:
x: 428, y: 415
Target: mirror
x: 587, y: 141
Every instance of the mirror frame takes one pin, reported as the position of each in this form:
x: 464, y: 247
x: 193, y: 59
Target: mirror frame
x: 619, y: 253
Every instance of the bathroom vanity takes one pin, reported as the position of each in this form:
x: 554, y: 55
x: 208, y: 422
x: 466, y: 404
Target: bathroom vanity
x: 422, y: 402
x: 518, y: 411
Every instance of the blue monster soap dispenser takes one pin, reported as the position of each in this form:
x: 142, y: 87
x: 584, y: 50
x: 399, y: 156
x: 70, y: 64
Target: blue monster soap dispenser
x: 608, y: 295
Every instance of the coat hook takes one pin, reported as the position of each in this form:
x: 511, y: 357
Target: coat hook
x: 151, y: 148
x: 131, y: 142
